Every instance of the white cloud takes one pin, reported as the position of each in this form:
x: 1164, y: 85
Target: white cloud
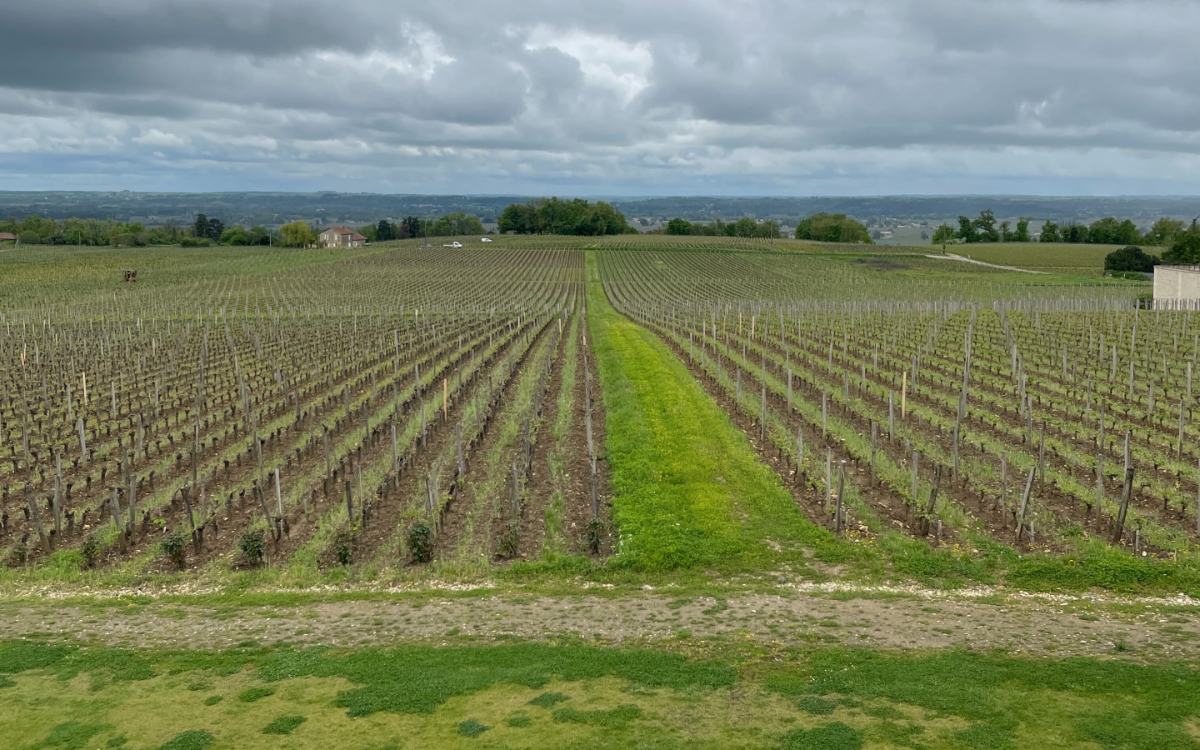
x: 156, y: 137
x: 612, y: 96
x: 605, y: 60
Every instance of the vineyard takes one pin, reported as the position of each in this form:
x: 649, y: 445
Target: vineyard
x: 593, y: 492
x: 1059, y: 420
x: 376, y: 410
x: 411, y: 411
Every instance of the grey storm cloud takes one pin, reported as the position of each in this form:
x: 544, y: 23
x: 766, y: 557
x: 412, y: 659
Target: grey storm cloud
x: 611, y: 96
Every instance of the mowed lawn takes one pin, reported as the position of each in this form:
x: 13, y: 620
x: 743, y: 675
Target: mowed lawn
x: 688, y: 489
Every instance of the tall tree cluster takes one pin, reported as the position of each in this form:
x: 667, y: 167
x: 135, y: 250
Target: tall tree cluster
x: 454, y: 224
x: 743, y: 227
x: 206, y: 228
x: 1185, y: 247
x: 556, y: 216
x: 37, y: 230
x: 1106, y: 231
x: 825, y: 227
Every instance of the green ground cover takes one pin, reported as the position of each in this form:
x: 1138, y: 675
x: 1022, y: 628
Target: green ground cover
x: 688, y: 489
x: 571, y: 695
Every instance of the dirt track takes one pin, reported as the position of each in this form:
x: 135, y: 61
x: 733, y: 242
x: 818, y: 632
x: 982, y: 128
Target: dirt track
x: 1033, y: 626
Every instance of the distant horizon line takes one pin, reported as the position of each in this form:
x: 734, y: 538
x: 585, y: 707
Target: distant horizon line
x: 607, y: 196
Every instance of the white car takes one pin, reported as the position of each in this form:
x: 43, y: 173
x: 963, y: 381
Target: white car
x: 452, y: 244
x: 485, y: 239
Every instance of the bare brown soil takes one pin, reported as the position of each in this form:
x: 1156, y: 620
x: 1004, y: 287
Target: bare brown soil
x: 455, y: 518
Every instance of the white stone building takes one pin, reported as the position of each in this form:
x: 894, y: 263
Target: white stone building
x: 1177, y: 287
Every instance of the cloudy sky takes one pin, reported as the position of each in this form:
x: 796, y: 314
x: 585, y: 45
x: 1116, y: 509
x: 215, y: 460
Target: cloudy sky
x: 604, y: 97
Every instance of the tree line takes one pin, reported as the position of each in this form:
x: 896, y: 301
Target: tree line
x: 820, y: 227
x: 1184, y: 250
x: 555, y: 216
x: 453, y: 224
x: 743, y: 227
x: 37, y: 230
x: 1106, y: 231
x: 206, y: 231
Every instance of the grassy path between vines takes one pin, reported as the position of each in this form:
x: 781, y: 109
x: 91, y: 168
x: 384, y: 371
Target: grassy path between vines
x: 688, y: 489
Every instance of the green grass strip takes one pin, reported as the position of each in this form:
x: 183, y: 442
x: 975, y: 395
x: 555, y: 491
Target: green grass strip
x: 689, y: 490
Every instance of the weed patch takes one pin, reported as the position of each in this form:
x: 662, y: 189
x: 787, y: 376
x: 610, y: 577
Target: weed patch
x: 284, y: 725
x: 835, y: 736
x: 71, y: 735
x: 1130, y: 706
x: 472, y: 728
x: 255, y: 694
x: 611, y: 719
x: 549, y: 700
x: 196, y: 739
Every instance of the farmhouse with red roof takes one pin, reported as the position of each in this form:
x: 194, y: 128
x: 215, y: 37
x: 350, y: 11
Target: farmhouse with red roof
x: 340, y: 237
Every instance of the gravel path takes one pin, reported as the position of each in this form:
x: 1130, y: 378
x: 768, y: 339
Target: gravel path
x: 1040, y: 626
x: 952, y: 256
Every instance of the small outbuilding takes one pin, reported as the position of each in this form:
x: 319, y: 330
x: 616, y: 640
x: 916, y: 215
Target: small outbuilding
x: 1177, y: 287
x: 7, y: 237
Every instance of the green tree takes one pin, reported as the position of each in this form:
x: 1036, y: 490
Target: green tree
x: 1049, y: 232
x: 169, y: 232
x: 1130, y: 258
x: 216, y: 228
x: 235, y: 235
x: 769, y: 229
x: 602, y: 219
x: 825, y: 227
x: 28, y: 237
x: 1109, y: 231
x: 1074, y: 233
x: 1185, y: 249
x: 1163, y: 231
x: 985, y: 227
x: 556, y: 216
x: 520, y: 218
x: 745, y: 227
x: 75, y: 232
x: 296, y: 233
x: 260, y: 236
x: 1022, y: 233
x: 678, y: 226
x: 943, y: 234
x: 456, y: 224
x: 1005, y: 234
x: 966, y: 229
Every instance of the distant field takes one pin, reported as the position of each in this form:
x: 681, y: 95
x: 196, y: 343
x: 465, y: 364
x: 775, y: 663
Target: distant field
x: 1054, y: 257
